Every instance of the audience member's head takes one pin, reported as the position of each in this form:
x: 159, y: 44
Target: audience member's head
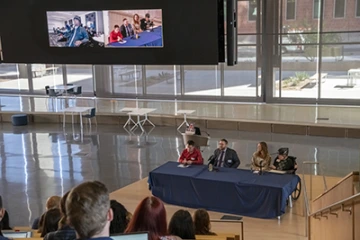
x: 88, y: 210
x: 120, y: 221
x: 51, y: 221
x: 5, y: 222
x: 63, y: 221
x: 223, y: 144
x: 147, y: 16
x: 182, y: 225
x: 125, y: 21
x: 149, y: 216
x: 41, y: 223
x: 202, y: 222
x: 2, y: 210
x: 53, y: 202
x: 1, y: 213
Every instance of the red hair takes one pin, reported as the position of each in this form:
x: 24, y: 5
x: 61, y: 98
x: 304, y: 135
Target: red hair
x: 149, y: 216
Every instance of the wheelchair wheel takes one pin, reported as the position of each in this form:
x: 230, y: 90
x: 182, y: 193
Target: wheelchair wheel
x: 296, y: 193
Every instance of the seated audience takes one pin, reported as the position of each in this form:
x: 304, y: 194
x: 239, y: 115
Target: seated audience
x: 120, y: 221
x: 224, y: 156
x: 64, y: 232
x: 202, y: 222
x: 2, y: 212
x: 88, y: 211
x: 283, y: 161
x: 115, y: 35
x: 150, y: 216
x: 5, y: 222
x: 191, y: 155
x: 182, y: 225
x: 261, y: 159
x: 52, y: 202
x: 51, y: 221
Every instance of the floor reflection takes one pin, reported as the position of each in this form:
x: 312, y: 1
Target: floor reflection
x: 37, y: 161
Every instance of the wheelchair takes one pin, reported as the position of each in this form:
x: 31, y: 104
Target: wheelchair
x: 296, y: 193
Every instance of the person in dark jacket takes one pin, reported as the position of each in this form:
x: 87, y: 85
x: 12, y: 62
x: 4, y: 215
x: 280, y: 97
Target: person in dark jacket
x: 64, y: 232
x: 224, y: 156
x: 5, y: 222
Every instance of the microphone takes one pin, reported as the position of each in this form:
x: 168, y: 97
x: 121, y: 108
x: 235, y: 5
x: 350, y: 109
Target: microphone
x: 260, y: 172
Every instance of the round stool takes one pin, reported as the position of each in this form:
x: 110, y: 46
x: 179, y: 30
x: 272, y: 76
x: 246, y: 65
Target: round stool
x: 19, y: 120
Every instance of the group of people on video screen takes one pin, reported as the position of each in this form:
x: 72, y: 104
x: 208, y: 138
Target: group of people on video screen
x: 127, y: 30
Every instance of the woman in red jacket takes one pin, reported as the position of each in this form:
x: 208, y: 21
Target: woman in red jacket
x: 191, y: 155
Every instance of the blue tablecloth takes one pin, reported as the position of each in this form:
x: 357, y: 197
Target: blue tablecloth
x: 147, y: 39
x: 229, y: 190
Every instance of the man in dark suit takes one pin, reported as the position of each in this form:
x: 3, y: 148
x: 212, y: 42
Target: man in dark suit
x: 224, y: 156
x: 126, y: 29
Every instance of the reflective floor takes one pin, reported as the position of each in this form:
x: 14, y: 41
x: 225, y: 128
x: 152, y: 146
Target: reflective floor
x: 41, y: 160
x: 338, y: 116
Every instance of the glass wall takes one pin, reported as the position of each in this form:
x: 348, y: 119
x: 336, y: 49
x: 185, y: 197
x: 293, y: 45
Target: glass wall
x: 313, y: 56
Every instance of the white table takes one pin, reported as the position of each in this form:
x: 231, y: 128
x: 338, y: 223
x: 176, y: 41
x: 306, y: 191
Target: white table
x: 127, y: 110
x: 138, y: 112
x: 64, y: 88
x: 353, y: 74
x: 72, y: 110
x: 185, y: 112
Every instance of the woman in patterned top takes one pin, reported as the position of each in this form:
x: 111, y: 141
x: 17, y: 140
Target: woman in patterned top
x: 261, y: 159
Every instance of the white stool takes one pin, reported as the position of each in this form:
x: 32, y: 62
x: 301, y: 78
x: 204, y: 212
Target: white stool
x: 185, y: 112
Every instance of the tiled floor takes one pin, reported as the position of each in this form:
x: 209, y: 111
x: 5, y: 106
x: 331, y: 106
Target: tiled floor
x: 337, y: 116
x: 40, y: 160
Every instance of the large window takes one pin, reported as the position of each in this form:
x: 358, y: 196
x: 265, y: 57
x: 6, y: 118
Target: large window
x: 316, y: 9
x: 339, y: 9
x: 290, y: 9
x: 80, y: 75
x: 252, y: 12
x: 162, y: 80
x: 14, y: 77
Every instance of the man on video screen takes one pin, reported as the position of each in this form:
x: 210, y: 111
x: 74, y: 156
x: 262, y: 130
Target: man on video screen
x: 78, y: 35
x: 126, y: 29
x: 146, y: 23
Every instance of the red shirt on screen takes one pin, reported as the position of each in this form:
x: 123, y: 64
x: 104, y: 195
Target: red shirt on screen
x: 114, y: 36
x: 194, y: 156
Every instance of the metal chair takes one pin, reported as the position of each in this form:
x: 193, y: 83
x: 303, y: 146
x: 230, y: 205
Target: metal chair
x: 53, y: 93
x: 91, y: 115
x: 47, y: 90
x: 78, y: 91
x: 70, y: 91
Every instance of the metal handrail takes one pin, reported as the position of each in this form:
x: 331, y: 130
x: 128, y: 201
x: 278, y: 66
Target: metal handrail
x: 335, y: 204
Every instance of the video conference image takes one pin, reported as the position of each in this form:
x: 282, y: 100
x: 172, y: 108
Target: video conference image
x: 111, y: 29
x: 76, y: 29
x: 133, y: 28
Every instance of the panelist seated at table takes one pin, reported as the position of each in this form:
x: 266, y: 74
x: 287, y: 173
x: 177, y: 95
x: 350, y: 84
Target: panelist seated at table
x: 136, y: 24
x: 261, y: 159
x: 146, y: 23
x: 284, y: 162
x: 115, y: 35
x: 126, y: 29
x: 224, y: 156
x: 191, y: 155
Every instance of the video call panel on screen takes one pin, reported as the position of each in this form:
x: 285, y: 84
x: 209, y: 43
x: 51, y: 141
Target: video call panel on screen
x: 110, y: 29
